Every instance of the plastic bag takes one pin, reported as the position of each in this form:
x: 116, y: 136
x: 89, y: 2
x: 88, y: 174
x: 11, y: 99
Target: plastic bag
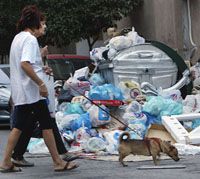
x: 68, y: 135
x: 95, y: 144
x: 96, y: 80
x: 136, y: 120
x: 99, y: 117
x: 191, y: 104
x: 130, y: 117
x: 175, y: 95
x: 195, y: 123
x: 159, y: 106
x: 105, y: 92
x: 130, y: 89
x: 72, y: 108
x: 96, y: 53
x: 76, y: 87
x: 184, y: 149
x: 37, y: 146
x: 111, y: 53
x: 49, y: 82
x: 81, y: 73
x: 98, y: 93
x: 78, y: 99
x: 64, y: 121
x: 136, y: 39
x: 120, y: 42
x: 134, y: 112
x: 134, y: 107
x: 83, y: 119
x: 139, y: 129
x: 82, y: 136
x: 112, y: 140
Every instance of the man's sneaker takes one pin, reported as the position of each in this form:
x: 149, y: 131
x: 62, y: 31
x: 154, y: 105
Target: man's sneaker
x: 22, y: 163
x: 69, y: 157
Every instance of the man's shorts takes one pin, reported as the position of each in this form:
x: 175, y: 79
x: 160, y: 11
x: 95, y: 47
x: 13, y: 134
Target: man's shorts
x: 28, y: 114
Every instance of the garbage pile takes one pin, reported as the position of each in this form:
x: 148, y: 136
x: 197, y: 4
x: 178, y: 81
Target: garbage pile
x: 95, y: 113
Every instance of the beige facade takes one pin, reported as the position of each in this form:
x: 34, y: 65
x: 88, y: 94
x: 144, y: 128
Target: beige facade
x: 168, y: 22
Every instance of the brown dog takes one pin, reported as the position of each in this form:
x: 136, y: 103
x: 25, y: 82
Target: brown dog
x: 148, y: 147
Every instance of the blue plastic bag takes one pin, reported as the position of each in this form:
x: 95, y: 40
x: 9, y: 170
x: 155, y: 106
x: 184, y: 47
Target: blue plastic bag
x: 96, y: 80
x: 83, y: 120
x: 73, y: 108
x: 105, y: 92
x: 159, y: 106
x: 195, y: 123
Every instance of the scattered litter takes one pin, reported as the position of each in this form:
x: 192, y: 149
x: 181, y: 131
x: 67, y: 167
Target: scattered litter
x: 184, y: 149
x: 94, y: 132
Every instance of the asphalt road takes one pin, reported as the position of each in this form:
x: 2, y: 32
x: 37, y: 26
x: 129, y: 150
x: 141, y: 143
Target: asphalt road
x: 93, y: 169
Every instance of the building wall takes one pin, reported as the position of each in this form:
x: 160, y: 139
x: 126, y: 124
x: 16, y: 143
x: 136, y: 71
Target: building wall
x: 195, y: 20
x: 163, y: 21
x: 143, y: 20
x: 160, y: 20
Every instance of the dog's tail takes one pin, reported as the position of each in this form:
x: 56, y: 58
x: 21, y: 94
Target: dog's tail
x: 123, y: 138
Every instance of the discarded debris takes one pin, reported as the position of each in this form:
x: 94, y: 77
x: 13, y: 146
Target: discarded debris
x: 150, y: 167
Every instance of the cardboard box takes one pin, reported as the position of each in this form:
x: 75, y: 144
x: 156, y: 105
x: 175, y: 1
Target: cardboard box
x: 159, y: 131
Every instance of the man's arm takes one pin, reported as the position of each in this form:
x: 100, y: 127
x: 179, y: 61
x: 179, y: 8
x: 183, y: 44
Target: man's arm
x: 26, y: 66
x: 44, y: 51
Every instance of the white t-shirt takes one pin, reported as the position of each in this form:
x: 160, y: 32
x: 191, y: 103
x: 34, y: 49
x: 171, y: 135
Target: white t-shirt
x: 24, y: 48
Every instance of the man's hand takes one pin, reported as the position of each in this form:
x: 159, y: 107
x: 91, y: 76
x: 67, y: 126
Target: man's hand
x: 43, y: 90
x: 47, y: 70
x: 44, y: 51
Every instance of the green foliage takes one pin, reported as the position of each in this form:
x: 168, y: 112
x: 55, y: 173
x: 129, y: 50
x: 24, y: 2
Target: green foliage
x: 70, y: 20
x: 9, y: 14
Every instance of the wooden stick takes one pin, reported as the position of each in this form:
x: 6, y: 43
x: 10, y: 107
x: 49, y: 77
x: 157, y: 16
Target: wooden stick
x: 146, y: 167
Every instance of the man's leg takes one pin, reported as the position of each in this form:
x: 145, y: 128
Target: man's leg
x: 20, y: 150
x: 59, y: 142
x: 60, y: 145
x: 22, y: 143
x: 51, y: 145
x: 42, y: 114
x: 22, y: 121
x: 12, y: 141
x: 21, y: 146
